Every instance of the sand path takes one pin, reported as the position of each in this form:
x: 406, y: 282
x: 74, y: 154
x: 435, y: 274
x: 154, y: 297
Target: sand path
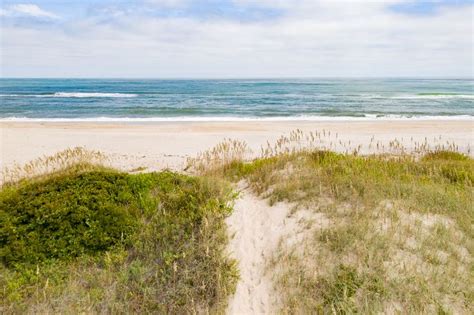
x: 256, y: 229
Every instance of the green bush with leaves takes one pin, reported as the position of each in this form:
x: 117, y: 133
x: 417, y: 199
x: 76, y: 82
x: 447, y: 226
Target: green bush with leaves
x: 66, y: 217
x: 103, y: 241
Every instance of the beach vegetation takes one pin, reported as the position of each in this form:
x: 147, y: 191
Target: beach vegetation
x: 385, y: 232
x: 382, y: 228
x: 90, y: 239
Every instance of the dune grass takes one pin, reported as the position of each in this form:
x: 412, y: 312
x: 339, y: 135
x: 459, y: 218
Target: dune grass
x: 399, y: 236
x: 388, y: 232
x: 89, y: 239
x: 69, y: 160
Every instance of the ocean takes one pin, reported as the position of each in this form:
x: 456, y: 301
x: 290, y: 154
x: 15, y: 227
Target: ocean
x: 222, y: 100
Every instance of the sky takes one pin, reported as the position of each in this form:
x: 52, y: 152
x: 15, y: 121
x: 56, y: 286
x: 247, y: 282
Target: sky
x: 236, y: 38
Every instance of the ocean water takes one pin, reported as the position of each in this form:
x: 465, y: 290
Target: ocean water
x: 275, y: 99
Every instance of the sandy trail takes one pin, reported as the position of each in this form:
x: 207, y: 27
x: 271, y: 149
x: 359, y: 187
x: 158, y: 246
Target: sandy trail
x: 256, y: 229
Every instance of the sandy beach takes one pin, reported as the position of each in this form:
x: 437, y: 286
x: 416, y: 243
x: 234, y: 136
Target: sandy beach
x: 255, y: 227
x: 168, y: 145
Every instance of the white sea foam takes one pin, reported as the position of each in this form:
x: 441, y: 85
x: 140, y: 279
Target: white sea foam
x: 74, y: 94
x: 435, y: 96
x: 409, y: 96
x: 366, y: 96
x: 82, y: 94
x: 237, y: 119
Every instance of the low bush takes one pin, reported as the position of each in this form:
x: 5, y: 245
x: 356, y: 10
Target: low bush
x: 66, y: 216
x: 103, y: 241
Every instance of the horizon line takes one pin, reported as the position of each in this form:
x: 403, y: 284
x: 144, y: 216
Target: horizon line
x: 247, y: 78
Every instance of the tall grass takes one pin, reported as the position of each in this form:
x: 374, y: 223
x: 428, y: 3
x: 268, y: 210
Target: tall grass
x: 221, y: 155
x: 69, y: 159
x: 386, y: 232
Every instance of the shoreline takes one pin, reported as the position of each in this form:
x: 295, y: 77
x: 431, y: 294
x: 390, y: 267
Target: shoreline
x: 145, y: 121
x: 159, y: 145
x: 229, y: 119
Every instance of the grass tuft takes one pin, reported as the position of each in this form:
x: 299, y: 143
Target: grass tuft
x: 445, y: 155
x: 73, y: 160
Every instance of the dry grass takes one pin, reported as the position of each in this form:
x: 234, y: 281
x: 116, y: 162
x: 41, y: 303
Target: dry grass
x: 223, y: 154
x: 398, y: 225
x: 324, y: 140
x: 66, y: 159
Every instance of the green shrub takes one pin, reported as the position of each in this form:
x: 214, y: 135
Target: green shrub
x: 101, y: 241
x: 65, y: 217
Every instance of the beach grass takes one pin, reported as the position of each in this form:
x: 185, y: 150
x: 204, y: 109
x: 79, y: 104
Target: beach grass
x: 389, y: 232
x: 90, y: 239
x: 386, y: 232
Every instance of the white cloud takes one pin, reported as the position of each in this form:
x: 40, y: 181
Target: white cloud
x: 168, y: 3
x: 31, y: 10
x: 327, y: 39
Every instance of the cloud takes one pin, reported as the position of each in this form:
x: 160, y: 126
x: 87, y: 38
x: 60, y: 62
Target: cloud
x: 312, y: 38
x: 168, y: 3
x: 29, y: 10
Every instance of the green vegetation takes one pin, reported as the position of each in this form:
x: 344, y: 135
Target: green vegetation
x: 66, y: 217
x: 91, y: 239
x: 390, y: 232
x: 382, y: 233
x: 445, y: 156
x: 399, y: 238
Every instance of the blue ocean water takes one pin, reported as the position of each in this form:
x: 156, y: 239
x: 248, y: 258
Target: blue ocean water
x: 114, y: 99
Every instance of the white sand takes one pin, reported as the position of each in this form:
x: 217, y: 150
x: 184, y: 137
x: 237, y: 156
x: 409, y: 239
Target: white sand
x: 255, y: 229
x: 166, y: 145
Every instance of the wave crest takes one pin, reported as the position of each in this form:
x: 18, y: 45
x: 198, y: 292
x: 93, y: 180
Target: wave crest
x: 85, y: 94
x: 74, y: 94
